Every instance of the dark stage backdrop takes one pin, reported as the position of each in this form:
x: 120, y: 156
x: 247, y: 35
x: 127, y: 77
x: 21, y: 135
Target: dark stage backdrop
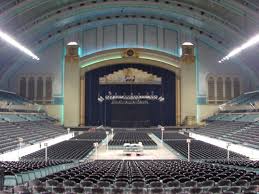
x: 131, y: 115
x: 105, y: 113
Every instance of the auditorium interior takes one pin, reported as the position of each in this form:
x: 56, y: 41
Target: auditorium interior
x: 129, y: 97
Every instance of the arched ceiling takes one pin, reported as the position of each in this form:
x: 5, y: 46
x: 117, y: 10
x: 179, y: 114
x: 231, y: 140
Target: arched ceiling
x: 38, y: 23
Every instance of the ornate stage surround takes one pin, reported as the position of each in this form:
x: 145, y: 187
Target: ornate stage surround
x: 184, y: 68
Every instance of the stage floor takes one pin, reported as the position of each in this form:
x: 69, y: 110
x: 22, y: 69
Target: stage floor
x: 162, y: 153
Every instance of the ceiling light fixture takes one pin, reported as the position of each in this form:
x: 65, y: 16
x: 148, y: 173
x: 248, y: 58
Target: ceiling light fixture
x: 16, y: 44
x: 253, y: 41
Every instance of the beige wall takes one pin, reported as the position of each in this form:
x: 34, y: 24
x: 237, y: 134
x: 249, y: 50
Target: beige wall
x: 54, y: 111
x: 188, y: 91
x: 204, y: 111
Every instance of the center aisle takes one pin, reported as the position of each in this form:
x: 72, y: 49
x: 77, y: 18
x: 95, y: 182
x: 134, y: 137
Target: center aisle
x: 161, y: 153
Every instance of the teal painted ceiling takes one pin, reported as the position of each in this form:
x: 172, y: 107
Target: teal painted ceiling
x: 38, y: 23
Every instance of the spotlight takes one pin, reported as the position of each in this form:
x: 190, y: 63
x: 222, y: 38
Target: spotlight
x: 16, y: 44
x: 251, y: 42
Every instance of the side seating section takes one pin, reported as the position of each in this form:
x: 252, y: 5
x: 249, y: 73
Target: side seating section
x: 30, y: 131
x: 245, y: 133
x: 201, y: 150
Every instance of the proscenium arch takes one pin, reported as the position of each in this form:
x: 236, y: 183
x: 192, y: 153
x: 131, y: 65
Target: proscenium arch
x: 143, y: 56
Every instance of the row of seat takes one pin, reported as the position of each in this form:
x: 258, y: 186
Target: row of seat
x: 146, y: 176
x: 131, y: 137
x: 234, y: 132
x: 237, y: 163
x: 14, y: 167
x: 31, y: 132
x: 201, y: 150
x: 170, y: 135
x: 92, y: 136
x: 12, y: 98
x: 239, y: 117
x: 66, y: 150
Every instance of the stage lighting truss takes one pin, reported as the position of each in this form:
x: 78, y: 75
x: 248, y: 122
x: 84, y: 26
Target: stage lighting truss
x: 131, y: 98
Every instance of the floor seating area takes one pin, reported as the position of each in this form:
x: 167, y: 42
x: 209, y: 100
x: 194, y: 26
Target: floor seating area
x: 30, y: 131
x: 201, y: 150
x: 131, y: 137
x: 235, y: 132
x: 146, y: 176
x: 76, y: 148
x: 66, y: 150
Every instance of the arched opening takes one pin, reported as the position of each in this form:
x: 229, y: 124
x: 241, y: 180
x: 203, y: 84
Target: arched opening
x: 220, y: 97
x: 31, y: 87
x: 228, y: 86
x: 236, y: 87
x: 211, y: 90
x: 40, y: 89
x: 105, y: 84
x: 23, y: 87
x: 48, y: 89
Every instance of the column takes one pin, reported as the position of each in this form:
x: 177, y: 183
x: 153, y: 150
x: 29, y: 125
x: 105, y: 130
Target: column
x: 188, y: 84
x: 82, y: 100
x: 72, y: 86
x: 178, y: 100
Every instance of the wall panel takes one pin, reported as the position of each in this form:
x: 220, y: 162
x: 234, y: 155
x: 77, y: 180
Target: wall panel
x: 90, y: 41
x: 109, y: 37
x: 130, y: 35
x: 150, y: 36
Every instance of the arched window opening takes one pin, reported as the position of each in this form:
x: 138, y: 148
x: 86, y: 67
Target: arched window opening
x: 211, y: 90
x: 40, y: 89
x: 31, y: 87
x: 228, y: 86
x: 220, y: 98
x: 236, y: 87
x: 23, y: 86
x: 48, y: 89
